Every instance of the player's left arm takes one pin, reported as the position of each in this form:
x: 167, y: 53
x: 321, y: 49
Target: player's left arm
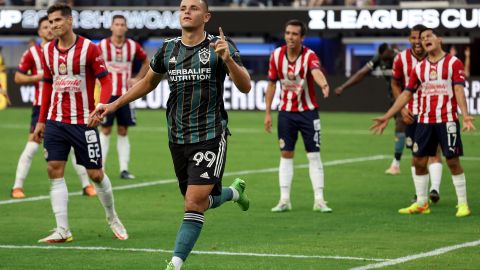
x: 458, y: 79
x: 237, y: 73
x: 321, y: 81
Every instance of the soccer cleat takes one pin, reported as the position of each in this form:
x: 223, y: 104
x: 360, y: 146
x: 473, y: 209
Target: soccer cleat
x: 282, y: 206
x: 393, y: 170
x: 17, y: 193
x: 118, y: 229
x: 434, y: 196
x: 126, y: 175
x: 170, y: 266
x: 415, y: 209
x: 243, y: 202
x: 463, y: 210
x: 89, y: 191
x: 321, y: 206
x: 59, y: 235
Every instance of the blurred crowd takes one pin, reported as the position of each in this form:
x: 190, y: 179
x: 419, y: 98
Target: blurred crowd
x: 231, y: 3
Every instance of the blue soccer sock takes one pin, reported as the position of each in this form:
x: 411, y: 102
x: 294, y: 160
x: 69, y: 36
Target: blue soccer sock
x: 188, y: 234
x: 216, y: 201
x: 399, y: 145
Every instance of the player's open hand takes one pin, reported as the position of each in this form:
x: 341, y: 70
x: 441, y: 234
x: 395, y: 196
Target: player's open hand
x: 38, y: 132
x: 339, y: 90
x: 407, y: 116
x: 96, y: 117
x: 221, y: 46
x: 468, y: 123
x: 268, y: 123
x: 380, y: 124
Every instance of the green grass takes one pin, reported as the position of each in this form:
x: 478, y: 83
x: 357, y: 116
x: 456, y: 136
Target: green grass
x: 364, y: 223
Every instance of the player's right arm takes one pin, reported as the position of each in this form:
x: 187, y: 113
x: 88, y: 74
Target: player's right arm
x: 21, y: 78
x: 269, y: 94
x: 140, y: 89
x: 26, y: 64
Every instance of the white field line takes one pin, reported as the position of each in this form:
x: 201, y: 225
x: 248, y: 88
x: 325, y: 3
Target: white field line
x: 169, y: 181
x: 224, y: 253
x: 435, y: 252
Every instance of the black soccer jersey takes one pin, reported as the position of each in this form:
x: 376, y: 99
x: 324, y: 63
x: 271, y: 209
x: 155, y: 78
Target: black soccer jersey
x: 195, y: 109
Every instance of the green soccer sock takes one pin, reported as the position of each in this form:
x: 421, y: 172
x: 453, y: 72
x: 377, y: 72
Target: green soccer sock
x: 188, y: 234
x: 216, y: 201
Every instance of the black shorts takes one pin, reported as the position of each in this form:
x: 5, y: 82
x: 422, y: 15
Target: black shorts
x: 410, y: 133
x: 60, y: 137
x: 290, y: 123
x: 125, y: 115
x: 429, y: 136
x: 200, y: 163
x: 35, y: 115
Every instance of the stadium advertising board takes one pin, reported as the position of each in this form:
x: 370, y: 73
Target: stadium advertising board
x: 165, y: 21
x: 367, y: 96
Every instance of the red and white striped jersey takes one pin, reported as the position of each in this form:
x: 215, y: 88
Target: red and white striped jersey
x: 31, y: 64
x: 438, y: 103
x: 119, y: 62
x: 403, y: 64
x: 72, y: 73
x: 298, y: 91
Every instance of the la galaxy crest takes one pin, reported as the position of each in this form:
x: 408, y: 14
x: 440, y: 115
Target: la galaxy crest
x: 204, y: 55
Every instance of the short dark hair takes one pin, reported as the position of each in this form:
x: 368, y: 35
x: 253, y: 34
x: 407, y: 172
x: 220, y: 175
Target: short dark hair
x: 41, y: 20
x: 119, y: 16
x: 65, y: 10
x: 295, y: 22
x: 206, y: 3
x: 382, y: 48
x: 435, y: 32
x: 418, y: 27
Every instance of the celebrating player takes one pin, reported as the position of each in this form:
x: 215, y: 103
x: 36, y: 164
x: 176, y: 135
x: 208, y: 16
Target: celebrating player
x: 441, y: 79
x: 196, y: 65
x: 30, y: 72
x: 71, y: 64
x: 297, y: 68
x: 119, y: 53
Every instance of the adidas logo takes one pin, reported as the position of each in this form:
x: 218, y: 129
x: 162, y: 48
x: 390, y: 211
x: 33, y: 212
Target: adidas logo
x: 205, y: 175
x: 172, y: 60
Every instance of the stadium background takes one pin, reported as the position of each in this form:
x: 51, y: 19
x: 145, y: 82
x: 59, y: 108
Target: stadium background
x: 344, y: 37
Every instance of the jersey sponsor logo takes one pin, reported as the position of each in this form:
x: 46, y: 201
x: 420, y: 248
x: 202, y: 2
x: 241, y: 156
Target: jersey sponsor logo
x: 91, y: 136
x: 205, y: 175
x: 196, y: 74
x: 119, y: 67
x: 67, y: 84
x: 204, y: 55
x: 435, y: 88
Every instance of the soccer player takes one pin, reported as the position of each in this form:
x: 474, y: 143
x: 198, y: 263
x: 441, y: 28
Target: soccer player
x: 30, y: 72
x: 403, y: 64
x: 384, y: 60
x: 119, y: 53
x: 196, y: 64
x: 298, y: 68
x: 441, y: 79
x: 71, y: 64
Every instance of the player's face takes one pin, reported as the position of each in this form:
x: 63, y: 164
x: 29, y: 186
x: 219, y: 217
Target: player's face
x: 44, y: 31
x: 60, y: 24
x: 430, y: 41
x: 293, y: 36
x: 119, y: 27
x: 193, y: 14
x: 415, y: 42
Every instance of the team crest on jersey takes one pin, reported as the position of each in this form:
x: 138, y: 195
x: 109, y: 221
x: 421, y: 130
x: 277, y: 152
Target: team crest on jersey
x: 204, y: 55
x: 291, y: 76
x: 433, y: 74
x: 62, y: 68
x: 118, y: 57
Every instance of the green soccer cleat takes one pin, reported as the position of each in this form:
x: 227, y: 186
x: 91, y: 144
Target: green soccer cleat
x: 170, y: 266
x: 415, y: 209
x: 243, y: 202
x: 463, y: 210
